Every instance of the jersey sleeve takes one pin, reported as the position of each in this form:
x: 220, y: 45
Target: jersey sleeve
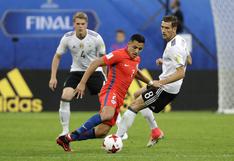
x: 101, y: 48
x: 179, y: 56
x: 112, y: 58
x: 62, y: 48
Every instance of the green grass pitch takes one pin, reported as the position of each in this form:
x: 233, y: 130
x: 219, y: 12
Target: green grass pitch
x: 189, y: 136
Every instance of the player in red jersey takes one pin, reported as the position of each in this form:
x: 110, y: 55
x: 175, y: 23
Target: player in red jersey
x: 123, y: 68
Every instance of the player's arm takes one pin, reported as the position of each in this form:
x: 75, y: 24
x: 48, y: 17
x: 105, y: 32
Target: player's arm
x: 55, y: 62
x: 139, y: 75
x: 91, y: 69
x: 178, y: 59
x: 189, y: 60
x: 104, y: 69
x: 179, y: 74
x: 101, y: 49
x: 159, y: 61
x: 54, y: 68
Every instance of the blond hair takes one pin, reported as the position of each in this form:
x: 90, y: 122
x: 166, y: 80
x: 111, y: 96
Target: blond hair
x: 80, y: 15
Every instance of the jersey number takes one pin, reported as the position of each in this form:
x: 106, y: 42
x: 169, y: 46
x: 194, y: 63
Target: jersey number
x: 149, y: 94
x: 82, y: 54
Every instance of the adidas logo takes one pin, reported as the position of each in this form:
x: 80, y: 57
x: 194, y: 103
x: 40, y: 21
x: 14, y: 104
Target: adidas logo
x: 15, y: 95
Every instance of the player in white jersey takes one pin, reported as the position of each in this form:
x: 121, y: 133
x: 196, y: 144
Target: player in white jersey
x: 85, y: 46
x: 174, y: 61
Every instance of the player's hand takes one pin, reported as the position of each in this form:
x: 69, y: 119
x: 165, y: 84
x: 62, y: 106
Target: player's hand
x: 159, y: 61
x: 80, y: 89
x: 157, y: 84
x: 53, y: 83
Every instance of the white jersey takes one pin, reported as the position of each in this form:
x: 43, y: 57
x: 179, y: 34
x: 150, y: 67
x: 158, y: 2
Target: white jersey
x: 174, y: 56
x: 83, y: 51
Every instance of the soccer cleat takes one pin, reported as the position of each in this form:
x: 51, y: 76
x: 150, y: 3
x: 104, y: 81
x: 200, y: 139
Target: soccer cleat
x: 156, y: 135
x: 63, y: 141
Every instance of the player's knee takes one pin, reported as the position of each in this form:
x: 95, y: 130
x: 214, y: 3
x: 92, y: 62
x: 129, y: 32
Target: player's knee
x: 101, y: 132
x: 134, y: 106
x: 107, y: 113
x: 66, y: 97
x: 135, y: 95
x: 106, y: 116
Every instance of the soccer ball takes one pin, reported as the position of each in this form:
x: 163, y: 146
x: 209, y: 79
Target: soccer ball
x: 112, y: 143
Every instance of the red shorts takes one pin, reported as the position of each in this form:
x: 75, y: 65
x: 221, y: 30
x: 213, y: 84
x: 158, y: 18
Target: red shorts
x: 110, y: 98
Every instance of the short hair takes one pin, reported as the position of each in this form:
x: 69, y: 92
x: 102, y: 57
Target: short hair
x: 80, y: 15
x: 120, y: 31
x: 137, y: 37
x: 172, y: 19
x: 177, y: 3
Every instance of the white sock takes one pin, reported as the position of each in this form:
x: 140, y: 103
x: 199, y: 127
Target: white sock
x: 125, y: 123
x: 118, y: 119
x: 149, y: 116
x: 64, y: 115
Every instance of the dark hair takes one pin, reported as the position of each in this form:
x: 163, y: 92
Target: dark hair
x: 172, y: 19
x: 120, y: 31
x: 138, y: 38
x: 177, y: 3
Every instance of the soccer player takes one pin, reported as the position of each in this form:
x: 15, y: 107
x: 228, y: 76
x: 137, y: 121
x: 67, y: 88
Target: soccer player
x: 120, y: 42
x: 85, y: 46
x: 173, y: 62
x: 123, y: 68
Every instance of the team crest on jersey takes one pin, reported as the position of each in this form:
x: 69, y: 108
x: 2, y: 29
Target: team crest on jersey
x: 173, y: 42
x: 81, y: 45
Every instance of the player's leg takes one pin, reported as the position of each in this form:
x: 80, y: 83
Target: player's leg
x: 102, y: 130
x: 139, y: 92
x: 67, y: 95
x: 99, y: 131
x: 157, y: 104
x: 125, y: 136
x: 108, y: 110
x: 156, y: 132
x: 87, y: 130
x: 106, y: 114
x: 64, y: 110
x: 95, y: 83
x: 145, y: 114
x: 129, y: 116
x: 148, y: 115
x: 147, y: 99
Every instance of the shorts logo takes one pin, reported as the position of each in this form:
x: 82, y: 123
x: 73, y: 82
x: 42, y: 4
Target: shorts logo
x: 113, y: 100
x: 15, y: 95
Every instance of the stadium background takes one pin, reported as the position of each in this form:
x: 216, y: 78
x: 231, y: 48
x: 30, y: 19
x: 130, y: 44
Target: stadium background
x: 32, y: 51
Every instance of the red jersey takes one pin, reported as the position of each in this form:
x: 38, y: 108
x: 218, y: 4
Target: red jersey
x: 122, y: 70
